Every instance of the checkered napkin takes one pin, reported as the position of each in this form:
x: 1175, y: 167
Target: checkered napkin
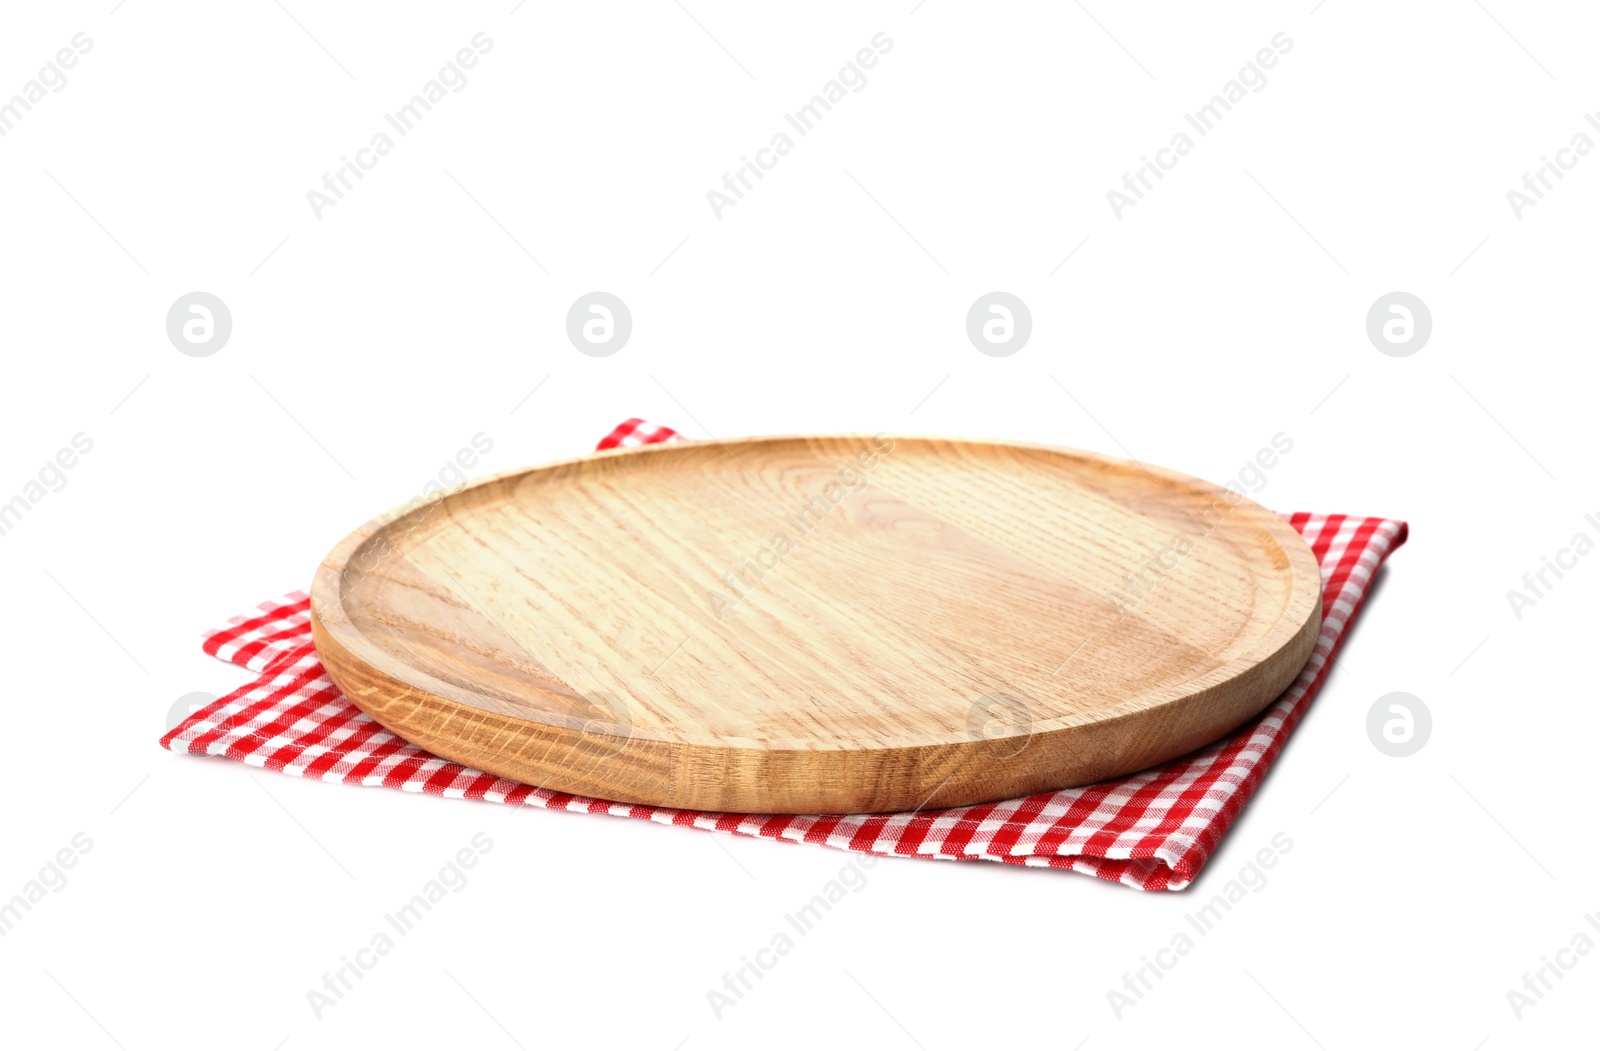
x: 1152, y: 831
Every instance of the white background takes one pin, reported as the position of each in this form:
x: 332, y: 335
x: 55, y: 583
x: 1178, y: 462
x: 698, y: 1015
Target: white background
x: 372, y: 343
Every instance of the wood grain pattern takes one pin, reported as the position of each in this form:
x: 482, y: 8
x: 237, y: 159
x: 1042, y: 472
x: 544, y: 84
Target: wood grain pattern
x: 819, y: 624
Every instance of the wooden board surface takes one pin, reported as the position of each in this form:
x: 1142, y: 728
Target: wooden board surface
x: 819, y: 624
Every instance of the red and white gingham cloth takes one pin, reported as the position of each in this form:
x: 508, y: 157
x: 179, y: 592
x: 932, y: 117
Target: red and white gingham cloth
x: 1152, y: 831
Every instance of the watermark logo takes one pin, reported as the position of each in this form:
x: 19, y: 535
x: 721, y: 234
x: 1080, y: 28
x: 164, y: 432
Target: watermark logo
x: 51, y: 478
x: 1003, y: 718
x: 199, y: 324
x: 1537, y: 183
x: 1399, y: 724
x: 609, y: 727
x: 51, y: 77
x: 450, y: 79
x: 1250, y: 79
x: 1537, y: 583
x: 1252, y: 879
x: 1399, y: 324
x: 52, y: 878
x: 797, y: 525
x: 999, y: 324
x: 741, y: 980
x: 451, y: 879
x: 1141, y: 581
x: 186, y: 706
x: 850, y: 79
x: 217, y: 727
x: 1541, y: 981
x: 599, y: 324
x: 420, y: 510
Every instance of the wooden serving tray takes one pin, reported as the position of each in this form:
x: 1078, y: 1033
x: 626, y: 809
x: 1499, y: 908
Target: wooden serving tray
x: 819, y: 624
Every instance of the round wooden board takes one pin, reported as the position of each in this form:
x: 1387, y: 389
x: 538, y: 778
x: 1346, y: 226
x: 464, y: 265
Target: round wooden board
x: 832, y: 624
